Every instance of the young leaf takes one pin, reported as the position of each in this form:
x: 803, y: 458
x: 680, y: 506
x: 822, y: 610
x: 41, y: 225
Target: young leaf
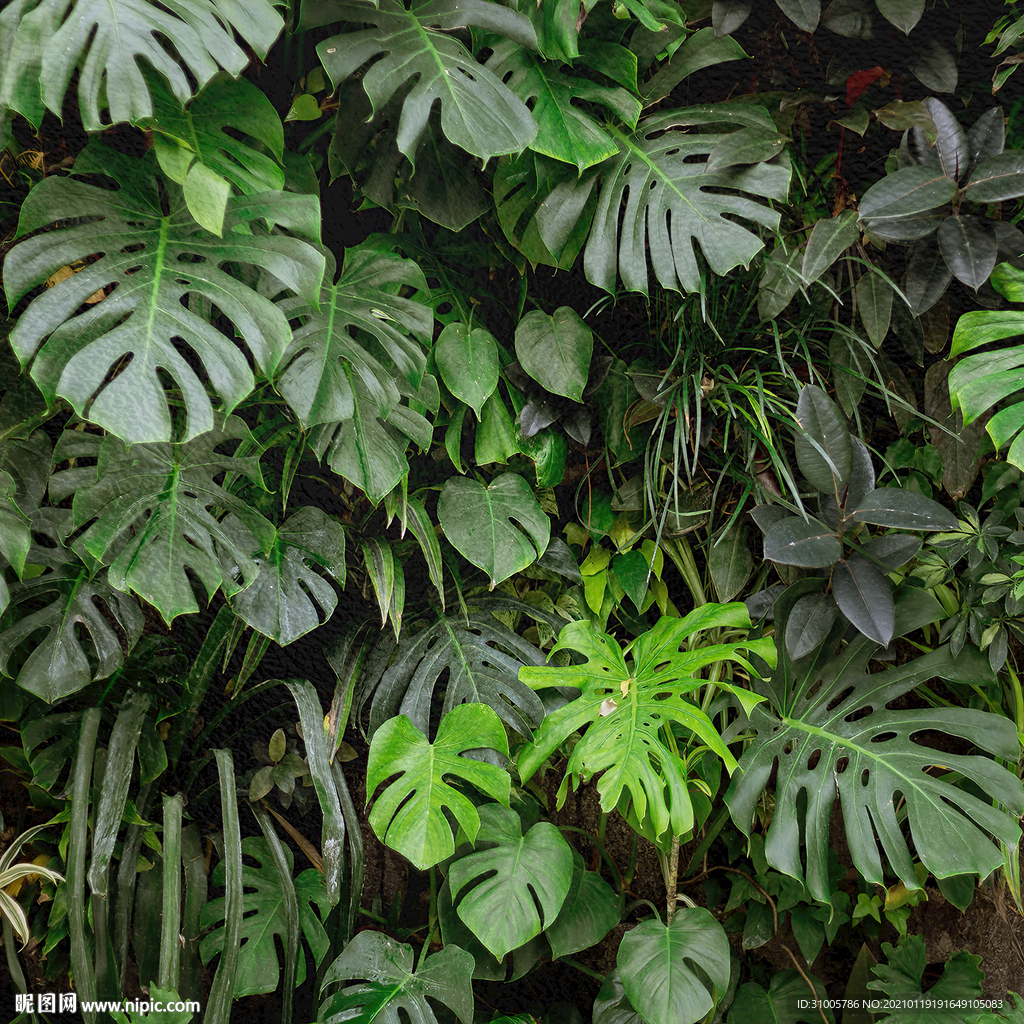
x: 467, y: 359
x: 481, y: 522
x: 654, y: 963
x: 409, y: 815
x: 527, y: 880
x: 555, y: 350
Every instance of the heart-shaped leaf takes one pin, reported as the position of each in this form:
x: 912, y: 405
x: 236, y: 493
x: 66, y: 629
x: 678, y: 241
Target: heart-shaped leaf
x: 409, y: 815
x: 467, y: 359
x: 555, y: 350
x: 500, y: 529
x: 656, y: 964
x: 528, y: 879
x: 155, y: 263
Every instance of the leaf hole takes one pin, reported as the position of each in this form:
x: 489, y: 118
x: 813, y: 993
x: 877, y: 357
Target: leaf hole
x: 838, y: 699
x: 865, y: 778
x: 884, y: 737
x: 841, y: 765
x: 812, y: 761
x: 856, y: 716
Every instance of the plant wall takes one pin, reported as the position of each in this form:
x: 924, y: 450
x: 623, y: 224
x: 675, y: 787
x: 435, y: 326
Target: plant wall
x: 396, y: 396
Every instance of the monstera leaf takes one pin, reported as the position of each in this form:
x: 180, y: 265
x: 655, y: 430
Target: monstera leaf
x: 326, y: 352
x: 150, y: 515
x: 658, y: 193
x: 395, y: 983
x: 279, y: 603
x: 481, y: 659
x: 409, y: 815
x: 265, y: 920
x: 514, y: 886
x: 193, y: 148
x: 478, y: 113
x: 567, y: 132
x: 624, y: 706
x: 829, y: 732
x: 108, y: 360
x: 107, y: 41
x: 479, y: 522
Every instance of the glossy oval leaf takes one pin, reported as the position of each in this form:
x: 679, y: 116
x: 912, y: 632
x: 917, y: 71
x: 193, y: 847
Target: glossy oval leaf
x: 904, y: 14
x: 933, y: 65
x: 555, y: 350
x: 823, y: 450
x: 968, y: 245
x: 909, y: 191
x: 951, y: 144
x: 729, y: 15
x: 928, y: 277
x: 829, y: 239
x: 500, y: 529
x: 987, y: 136
x: 416, y: 46
x: 903, y: 509
x: 999, y: 177
x: 467, y: 359
x: 409, y: 814
x: 794, y: 541
x: 803, y: 13
x: 730, y: 562
x: 146, y: 316
x: 656, y: 964
x: 809, y: 623
x: 864, y: 596
x: 874, y: 306
x: 528, y: 879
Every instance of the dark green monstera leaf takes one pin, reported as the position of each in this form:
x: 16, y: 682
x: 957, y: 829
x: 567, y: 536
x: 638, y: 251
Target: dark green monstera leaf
x: 82, y: 615
x: 829, y: 732
x: 410, y: 814
x: 365, y: 327
x: 657, y: 196
x: 478, y: 112
x: 623, y: 705
x: 153, y: 263
x: 511, y: 886
x: 479, y: 660
x: 150, y: 508
x: 264, y: 923
x: 110, y: 41
x: 281, y: 603
x: 393, y: 982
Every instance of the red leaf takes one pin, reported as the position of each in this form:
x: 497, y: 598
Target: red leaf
x: 859, y: 81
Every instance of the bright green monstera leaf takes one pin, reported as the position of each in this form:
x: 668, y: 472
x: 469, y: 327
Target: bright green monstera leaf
x: 192, y: 143
x: 150, y: 515
x: 281, y: 602
x: 829, y: 733
x: 483, y: 523
x: 393, y: 982
x: 153, y: 262
x: 409, y: 815
x: 656, y: 963
x: 265, y: 920
x: 624, y: 705
x: 657, y: 196
x: 84, y: 618
x: 567, y: 130
x: 370, y: 297
x: 511, y: 887
x: 478, y: 113
x: 110, y: 41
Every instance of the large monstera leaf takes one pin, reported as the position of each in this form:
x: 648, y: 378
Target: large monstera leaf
x: 658, y: 194
x: 511, y: 886
x: 265, y: 920
x: 829, y: 733
x: 281, y: 603
x: 110, y: 41
x: 624, y: 705
x: 365, y: 327
x: 107, y: 361
x: 410, y: 814
x: 481, y: 659
x: 150, y: 515
x: 393, y: 982
x: 69, y: 617
x: 478, y: 113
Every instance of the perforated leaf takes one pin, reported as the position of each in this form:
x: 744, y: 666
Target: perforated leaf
x: 478, y: 112
x: 107, y: 41
x: 624, y: 703
x: 657, y: 195
x: 155, y: 263
x: 409, y: 814
x: 831, y: 733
